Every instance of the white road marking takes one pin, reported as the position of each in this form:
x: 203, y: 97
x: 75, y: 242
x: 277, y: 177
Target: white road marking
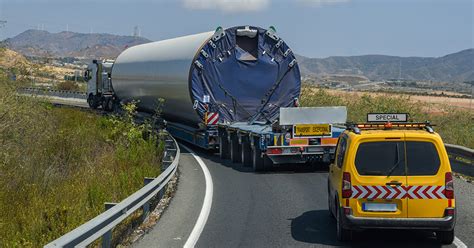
x: 206, y: 205
x: 458, y: 243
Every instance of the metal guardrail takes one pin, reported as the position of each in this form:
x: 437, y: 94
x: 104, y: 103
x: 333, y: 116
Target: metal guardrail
x: 50, y: 92
x: 465, y: 157
x: 102, y: 225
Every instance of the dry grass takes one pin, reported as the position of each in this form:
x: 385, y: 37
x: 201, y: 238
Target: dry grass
x: 58, y: 166
x: 455, y: 125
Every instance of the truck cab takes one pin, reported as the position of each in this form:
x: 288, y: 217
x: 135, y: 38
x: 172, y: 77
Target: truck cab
x: 100, y: 92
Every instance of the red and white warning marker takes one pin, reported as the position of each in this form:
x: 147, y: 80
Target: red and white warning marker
x: 212, y: 118
x: 400, y: 192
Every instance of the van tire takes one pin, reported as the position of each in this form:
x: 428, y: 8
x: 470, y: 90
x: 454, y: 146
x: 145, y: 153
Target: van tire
x: 330, y: 208
x: 342, y: 233
x: 445, y: 237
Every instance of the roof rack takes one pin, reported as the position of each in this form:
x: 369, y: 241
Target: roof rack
x: 357, y: 127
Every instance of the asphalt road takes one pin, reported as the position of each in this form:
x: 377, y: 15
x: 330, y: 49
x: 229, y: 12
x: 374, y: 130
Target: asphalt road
x: 283, y: 208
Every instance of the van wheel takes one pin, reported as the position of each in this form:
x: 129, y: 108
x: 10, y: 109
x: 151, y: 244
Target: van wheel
x: 342, y: 233
x: 331, y: 213
x: 445, y: 237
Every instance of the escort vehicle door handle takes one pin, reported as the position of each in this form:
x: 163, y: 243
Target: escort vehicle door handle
x: 394, y: 183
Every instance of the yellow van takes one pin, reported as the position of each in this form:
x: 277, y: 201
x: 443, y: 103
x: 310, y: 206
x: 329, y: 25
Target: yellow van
x: 392, y: 175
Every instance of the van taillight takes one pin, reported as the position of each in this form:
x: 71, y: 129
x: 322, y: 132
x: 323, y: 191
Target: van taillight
x: 449, y: 186
x: 346, y: 185
x: 449, y: 212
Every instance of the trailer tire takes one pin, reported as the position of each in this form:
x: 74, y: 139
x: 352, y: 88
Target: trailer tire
x: 235, y: 155
x: 246, y: 151
x: 223, y: 144
x: 116, y: 105
x: 267, y: 163
x: 110, y: 104
x: 104, y: 104
x: 257, y: 160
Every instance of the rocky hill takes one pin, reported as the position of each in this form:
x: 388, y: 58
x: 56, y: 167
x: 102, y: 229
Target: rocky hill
x: 456, y: 67
x: 69, y: 44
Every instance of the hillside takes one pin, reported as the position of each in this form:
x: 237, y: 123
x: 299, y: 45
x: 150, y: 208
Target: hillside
x: 10, y: 59
x: 456, y: 67
x: 69, y: 44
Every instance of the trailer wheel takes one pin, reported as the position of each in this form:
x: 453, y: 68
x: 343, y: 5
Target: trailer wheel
x: 115, y: 105
x: 257, y: 160
x: 223, y: 144
x: 104, y: 104
x: 267, y: 163
x: 235, y: 155
x: 246, y: 151
x: 110, y: 104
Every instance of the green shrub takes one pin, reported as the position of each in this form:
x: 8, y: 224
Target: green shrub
x: 58, y: 166
x: 68, y: 86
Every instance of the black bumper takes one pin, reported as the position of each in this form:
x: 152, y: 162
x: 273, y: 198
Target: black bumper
x: 435, y: 224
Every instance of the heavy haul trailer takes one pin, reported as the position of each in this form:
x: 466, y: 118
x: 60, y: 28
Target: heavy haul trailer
x: 301, y: 135
x: 216, y: 82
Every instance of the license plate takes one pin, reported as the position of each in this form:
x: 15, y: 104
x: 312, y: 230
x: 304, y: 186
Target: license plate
x: 315, y: 149
x: 379, y: 207
x: 312, y: 130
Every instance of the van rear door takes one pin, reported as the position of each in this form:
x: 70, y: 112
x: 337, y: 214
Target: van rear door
x: 379, y: 178
x: 426, y: 178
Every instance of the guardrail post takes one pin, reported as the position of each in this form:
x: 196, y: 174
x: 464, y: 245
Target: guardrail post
x: 146, y: 206
x: 107, y: 237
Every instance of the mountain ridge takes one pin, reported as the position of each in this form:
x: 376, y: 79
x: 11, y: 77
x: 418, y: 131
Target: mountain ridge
x: 37, y: 43
x: 454, y: 67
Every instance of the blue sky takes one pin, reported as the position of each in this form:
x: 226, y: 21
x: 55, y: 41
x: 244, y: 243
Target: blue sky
x: 314, y: 28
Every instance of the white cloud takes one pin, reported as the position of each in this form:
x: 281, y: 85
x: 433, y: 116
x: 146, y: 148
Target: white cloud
x: 318, y: 3
x: 227, y: 5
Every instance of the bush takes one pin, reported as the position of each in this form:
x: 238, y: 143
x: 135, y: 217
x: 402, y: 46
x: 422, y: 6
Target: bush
x: 58, y: 166
x: 68, y: 86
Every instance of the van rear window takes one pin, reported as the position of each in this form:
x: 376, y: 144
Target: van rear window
x: 394, y: 157
x: 422, y: 158
x: 379, y: 158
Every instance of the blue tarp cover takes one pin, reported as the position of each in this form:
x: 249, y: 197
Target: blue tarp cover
x: 236, y: 80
